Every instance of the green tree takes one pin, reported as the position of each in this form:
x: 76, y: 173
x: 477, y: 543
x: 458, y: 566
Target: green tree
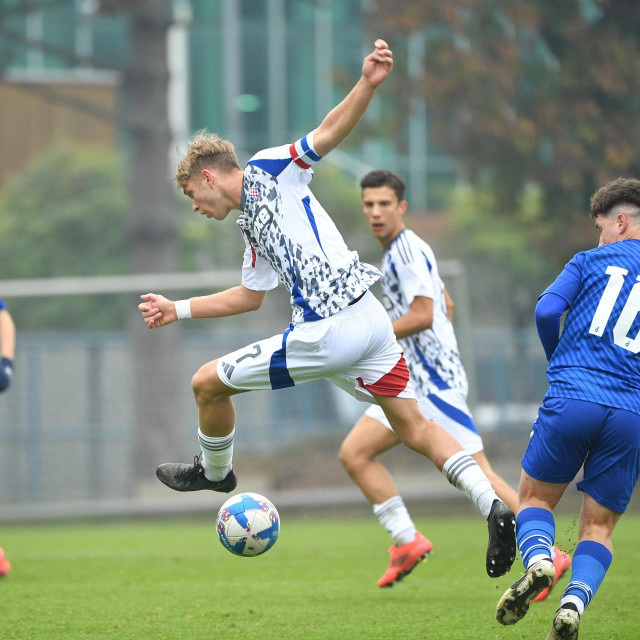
x: 505, y: 255
x: 539, y: 91
x: 525, y: 95
x: 64, y: 216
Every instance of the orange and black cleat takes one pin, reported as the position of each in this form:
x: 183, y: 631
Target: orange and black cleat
x: 404, y: 558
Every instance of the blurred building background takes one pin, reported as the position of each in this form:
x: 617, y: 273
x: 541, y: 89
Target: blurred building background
x: 502, y: 119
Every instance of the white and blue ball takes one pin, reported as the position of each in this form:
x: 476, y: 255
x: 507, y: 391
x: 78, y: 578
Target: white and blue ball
x: 248, y: 524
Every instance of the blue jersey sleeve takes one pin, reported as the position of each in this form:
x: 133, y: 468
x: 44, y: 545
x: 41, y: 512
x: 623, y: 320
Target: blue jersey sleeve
x: 549, y: 310
x: 567, y: 284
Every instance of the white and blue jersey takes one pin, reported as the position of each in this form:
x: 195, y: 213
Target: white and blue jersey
x: 597, y: 355
x: 290, y: 238
x: 410, y: 270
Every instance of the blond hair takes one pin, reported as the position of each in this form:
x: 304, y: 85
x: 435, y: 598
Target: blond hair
x: 206, y: 151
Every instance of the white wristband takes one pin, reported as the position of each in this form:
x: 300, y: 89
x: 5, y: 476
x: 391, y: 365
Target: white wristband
x: 183, y: 309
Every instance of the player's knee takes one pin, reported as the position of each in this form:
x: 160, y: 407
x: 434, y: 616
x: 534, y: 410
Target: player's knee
x: 346, y: 456
x: 204, y: 381
x: 351, y: 457
x: 207, y: 386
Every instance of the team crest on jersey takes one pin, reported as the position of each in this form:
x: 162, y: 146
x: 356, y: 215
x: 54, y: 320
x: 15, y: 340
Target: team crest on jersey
x: 255, y: 193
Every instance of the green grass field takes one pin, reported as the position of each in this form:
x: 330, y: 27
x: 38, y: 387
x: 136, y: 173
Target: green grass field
x: 173, y: 580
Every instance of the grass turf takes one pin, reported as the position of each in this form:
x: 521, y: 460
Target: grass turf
x: 173, y: 580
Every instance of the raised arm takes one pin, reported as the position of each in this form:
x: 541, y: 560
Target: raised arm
x: 158, y: 311
x: 341, y: 120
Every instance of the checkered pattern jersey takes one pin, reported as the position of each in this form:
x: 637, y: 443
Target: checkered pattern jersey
x: 290, y: 238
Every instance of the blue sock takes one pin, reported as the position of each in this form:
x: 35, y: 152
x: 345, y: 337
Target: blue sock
x: 535, y: 531
x: 590, y: 563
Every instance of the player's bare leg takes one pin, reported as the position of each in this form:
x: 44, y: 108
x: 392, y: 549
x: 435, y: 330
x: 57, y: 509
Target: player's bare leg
x: 462, y: 471
x: 367, y: 440
x: 216, y: 413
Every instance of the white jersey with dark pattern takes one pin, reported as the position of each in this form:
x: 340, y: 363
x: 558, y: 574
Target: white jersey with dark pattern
x: 409, y: 270
x: 289, y: 236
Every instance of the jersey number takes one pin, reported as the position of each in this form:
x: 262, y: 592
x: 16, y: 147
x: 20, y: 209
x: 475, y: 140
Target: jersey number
x: 627, y: 315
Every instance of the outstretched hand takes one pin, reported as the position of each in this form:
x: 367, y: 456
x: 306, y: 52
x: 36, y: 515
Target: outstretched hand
x: 157, y: 311
x: 378, y: 64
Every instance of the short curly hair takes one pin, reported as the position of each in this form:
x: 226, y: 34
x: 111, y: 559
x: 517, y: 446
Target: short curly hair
x: 617, y: 193
x: 206, y: 151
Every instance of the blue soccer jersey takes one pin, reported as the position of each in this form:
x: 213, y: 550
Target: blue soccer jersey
x: 597, y: 356
x: 2, y: 304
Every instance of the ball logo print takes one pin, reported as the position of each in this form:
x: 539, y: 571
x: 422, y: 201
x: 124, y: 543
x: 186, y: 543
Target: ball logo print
x: 248, y: 524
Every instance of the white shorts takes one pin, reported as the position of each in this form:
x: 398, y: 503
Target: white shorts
x: 354, y: 349
x: 449, y: 409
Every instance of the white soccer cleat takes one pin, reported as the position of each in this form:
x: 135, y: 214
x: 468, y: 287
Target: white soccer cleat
x: 565, y: 623
x: 515, y: 602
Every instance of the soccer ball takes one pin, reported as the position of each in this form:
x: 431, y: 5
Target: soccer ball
x: 248, y: 524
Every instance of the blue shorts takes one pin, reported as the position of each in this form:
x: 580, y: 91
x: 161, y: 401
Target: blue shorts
x: 569, y: 433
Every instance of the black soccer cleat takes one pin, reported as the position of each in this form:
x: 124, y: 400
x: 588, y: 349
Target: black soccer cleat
x: 501, y: 550
x: 190, y: 477
x: 517, y: 599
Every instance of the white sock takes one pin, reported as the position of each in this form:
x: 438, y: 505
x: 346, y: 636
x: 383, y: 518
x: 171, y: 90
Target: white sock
x: 465, y: 474
x: 395, y: 518
x: 217, y: 454
x: 533, y: 559
x: 575, y: 600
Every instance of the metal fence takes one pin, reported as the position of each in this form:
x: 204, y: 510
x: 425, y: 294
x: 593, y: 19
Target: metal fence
x: 67, y: 427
